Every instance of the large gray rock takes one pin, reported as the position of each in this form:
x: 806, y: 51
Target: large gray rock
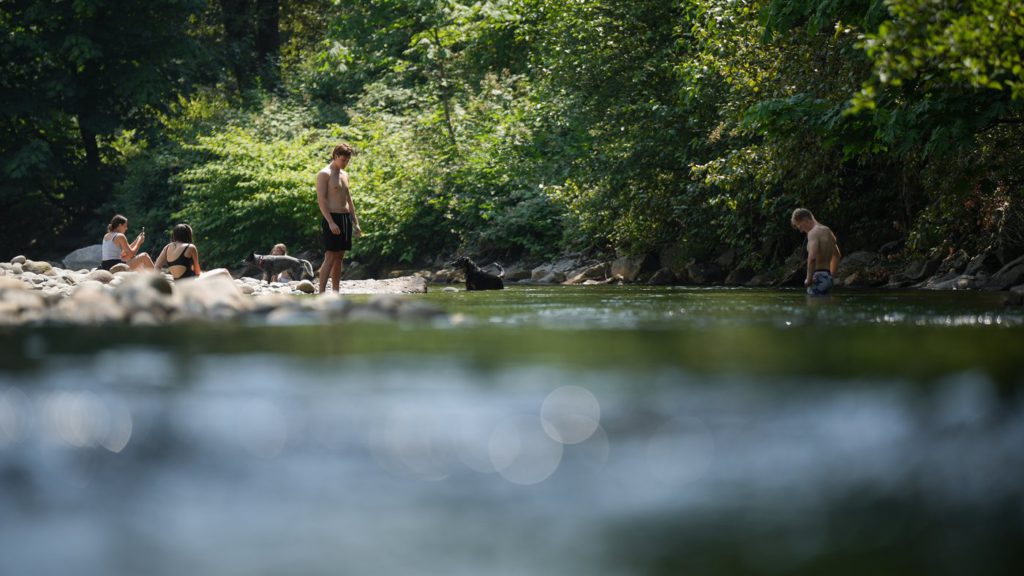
x: 916, y: 271
x: 627, y: 267
x: 593, y: 272
x: 213, y: 295
x: 146, y: 293
x: 1015, y: 297
x: 1010, y: 275
x: 985, y: 263
x: 663, y: 277
x: 88, y: 257
x: 861, y: 269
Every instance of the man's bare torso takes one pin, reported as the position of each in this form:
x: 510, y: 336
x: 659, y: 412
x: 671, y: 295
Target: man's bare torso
x: 825, y: 241
x: 339, y: 199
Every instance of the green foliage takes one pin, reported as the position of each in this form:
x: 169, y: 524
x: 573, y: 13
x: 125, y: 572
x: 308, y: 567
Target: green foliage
x: 253, y: 185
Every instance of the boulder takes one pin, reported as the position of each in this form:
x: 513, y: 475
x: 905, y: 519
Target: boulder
x: 100, y: 275
x: 740, y: 275
x: 306, y: 287
x: 762, y: 280
x: 861, y: 269
x: 955, y: 262
x: 675, y: 257
x: 88, y: 257
x: 120, y: 267
x: 1010, y: 275
x: 627, y: 267
x: 985, y: 263
x: 213, y: 295
x: 17, y: 268
x: 145, y: 293
x: 704, y: 273
x: 551, y: 278
x: 1015, y: 297
x: 593, y: 272
x: 916, y: 271
x: 518, y: 274
x: 663, y: 277
x: 37, y: 267
x: 19, y: 260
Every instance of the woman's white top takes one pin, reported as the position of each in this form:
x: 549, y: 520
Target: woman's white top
x: 110, y: 250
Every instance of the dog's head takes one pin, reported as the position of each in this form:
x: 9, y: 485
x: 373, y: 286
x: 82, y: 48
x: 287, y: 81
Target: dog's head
x: 251, y: 258
x: 461, y: 262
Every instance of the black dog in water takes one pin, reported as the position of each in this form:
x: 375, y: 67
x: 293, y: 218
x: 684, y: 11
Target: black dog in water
x: 270, y: 265
x: 477, y: 279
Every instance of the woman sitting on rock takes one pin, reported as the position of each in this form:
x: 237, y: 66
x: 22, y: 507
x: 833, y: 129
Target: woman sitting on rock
x: 115, y: 248
x: 180, y: 256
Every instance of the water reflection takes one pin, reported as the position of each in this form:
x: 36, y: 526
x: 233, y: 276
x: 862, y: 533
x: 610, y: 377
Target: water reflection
x: 258, y: 464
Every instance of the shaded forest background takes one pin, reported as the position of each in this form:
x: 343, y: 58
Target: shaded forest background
x: 515, y: 128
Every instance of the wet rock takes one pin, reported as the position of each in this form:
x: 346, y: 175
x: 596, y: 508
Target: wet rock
x: 101, y: 276
x: 88, y: 257
x: 518, y: 274
x: 19, y: 260
x: 915, y: 272
x: 663, y: 277
x: 306, y: 287
x: 1010, y: 275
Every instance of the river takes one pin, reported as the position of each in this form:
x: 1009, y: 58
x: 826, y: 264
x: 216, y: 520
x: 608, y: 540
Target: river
x: 544, y: 430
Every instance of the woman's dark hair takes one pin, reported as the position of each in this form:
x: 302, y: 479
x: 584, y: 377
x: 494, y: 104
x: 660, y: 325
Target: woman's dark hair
x: 116, y: 221
x: 182, y: 233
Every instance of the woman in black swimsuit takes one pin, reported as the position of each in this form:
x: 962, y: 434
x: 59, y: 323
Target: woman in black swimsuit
x: 180, y: 256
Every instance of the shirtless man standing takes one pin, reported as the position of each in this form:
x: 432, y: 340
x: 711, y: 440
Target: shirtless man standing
x: 822, y: 252
x: 339, y: 214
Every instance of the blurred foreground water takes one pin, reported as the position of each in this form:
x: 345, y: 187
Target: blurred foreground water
x: 598, y: 430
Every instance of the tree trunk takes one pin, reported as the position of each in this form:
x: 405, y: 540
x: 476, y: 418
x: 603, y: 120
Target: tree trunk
x: 268, y: 39
x: 238, y: 38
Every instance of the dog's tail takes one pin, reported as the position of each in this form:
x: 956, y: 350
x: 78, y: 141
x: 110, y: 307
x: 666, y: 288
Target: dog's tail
x: 501, y: 274
x: 307, y: 267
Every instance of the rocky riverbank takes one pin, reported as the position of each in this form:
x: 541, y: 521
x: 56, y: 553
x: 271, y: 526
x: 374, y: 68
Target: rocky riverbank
x: 951, y: 271
x: 40, y: 293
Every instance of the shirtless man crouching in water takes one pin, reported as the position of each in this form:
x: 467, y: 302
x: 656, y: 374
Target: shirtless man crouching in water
x: 822, y: 252
x: 339, y: 221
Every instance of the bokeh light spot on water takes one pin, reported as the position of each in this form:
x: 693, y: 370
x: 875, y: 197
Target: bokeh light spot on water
x: 681, y: 451
x: 522, y: 452
x: 412, y: 442
x: 570, y: 414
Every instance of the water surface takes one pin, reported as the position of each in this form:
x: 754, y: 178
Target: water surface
x: 547, y: 430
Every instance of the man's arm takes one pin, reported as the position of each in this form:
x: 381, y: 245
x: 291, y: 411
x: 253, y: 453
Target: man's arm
x: 812, y: 256
x: 352, y: 206
x: 836, y: 256
x: 321, y: 200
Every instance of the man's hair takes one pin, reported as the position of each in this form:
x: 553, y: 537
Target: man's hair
x: 342, y: 149
x: 182, y: 233
x: 802, y: 214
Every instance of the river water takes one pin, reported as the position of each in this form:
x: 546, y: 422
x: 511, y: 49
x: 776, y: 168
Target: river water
x: 546, y: 430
